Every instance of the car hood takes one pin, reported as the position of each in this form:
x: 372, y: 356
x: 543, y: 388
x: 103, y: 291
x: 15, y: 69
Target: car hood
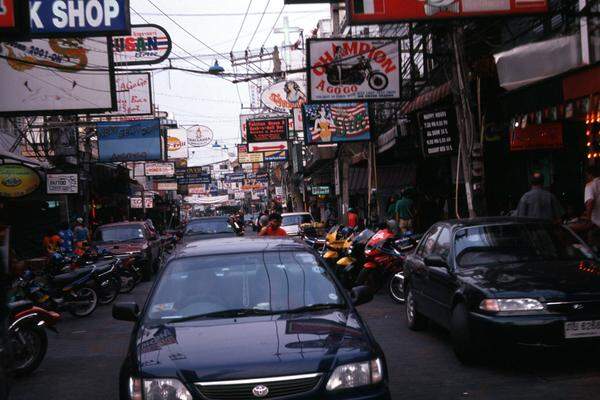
x: 251, y: 347
x: 547, y: 279
x: 122, y: 247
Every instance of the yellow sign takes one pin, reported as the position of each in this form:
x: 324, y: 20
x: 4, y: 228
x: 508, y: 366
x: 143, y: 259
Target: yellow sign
x: 18, y: 180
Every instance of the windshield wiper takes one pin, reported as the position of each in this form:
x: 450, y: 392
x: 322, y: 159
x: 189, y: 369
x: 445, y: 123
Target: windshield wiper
x: 316, y: 307
x: 240, y: 312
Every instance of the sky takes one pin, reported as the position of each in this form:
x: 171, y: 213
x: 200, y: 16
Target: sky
x: 207, y: 100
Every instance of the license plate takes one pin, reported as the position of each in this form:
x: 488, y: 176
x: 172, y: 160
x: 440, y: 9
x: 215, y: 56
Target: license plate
x: 582, y: 329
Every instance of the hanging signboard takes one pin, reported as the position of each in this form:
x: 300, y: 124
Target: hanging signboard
x: 68, y: 18
x: 166, y: 186
x: 14, y: 18
x: 194, y: 179
x: 336, y: 122
x: 354, y: 70
x: 320, y: 190
x: 136, y: 202
x: 177, y: 143
x: 537, y: 136
x: 18, y: 180
x: 236, y: 177
x: 159, y: 169
x: 147, y: 44
x: 267, y: 146
x: 275, y: 156
x: 62, y: 183
x: 129, y: 141
x: 248, y: 158
x: 134, y: 94
x: 199, y: 136
x: 438, y: 130
x: 59, y: 82
x: 267, y: 130
x: 286, y: 95
x: 364, y: 12
x: 262, y: 177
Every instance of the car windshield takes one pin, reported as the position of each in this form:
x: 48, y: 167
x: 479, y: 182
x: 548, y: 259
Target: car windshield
x: 242, y: 284
x: 209, y: 226
x: 497, y: 244
x: 119, y: 234
x: 289, y: 220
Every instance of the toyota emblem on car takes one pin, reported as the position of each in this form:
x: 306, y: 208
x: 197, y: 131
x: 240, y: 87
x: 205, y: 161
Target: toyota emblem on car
x: 260, y: 391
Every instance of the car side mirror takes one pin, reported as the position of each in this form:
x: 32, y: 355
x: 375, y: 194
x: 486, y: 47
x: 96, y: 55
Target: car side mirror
x: 361, y: 295
x: 126, y: 311
x: 436, y: 261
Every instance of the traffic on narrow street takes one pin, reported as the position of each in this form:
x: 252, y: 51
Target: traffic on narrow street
x: 299, y: 199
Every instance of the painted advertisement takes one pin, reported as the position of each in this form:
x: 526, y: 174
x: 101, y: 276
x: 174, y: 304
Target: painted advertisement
x: 147, y: 44
x: 62, y: 183
x: 364, y: 12
x: 177, y: 143
x: 354, y: 69
x: 285, y: 95
x: 129, y: 141
x: 50, y: 76
x: 134, y: 94
x: 337, y: 122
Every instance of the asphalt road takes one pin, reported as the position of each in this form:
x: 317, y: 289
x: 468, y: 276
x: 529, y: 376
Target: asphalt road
x: 83, y: 363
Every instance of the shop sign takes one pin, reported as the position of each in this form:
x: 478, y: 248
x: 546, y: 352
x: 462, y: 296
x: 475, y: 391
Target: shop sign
x: 267, y: 147
x: 129, y: 141
x: 18, y: 180
x: 62, y: 183
x: 365, y: 12
x: 68, y: 18
x: 159, y: 169
x: 194, y: 179
x: 177, y: 143
x: 336, y: 122
x: 237, y: 177
x: 438, y: 130
x: 354, y: 70
x: 197, y: 189
x: 134, y: 94
x: 248, y: 158
x: 62, y: 83
x: 276, y: 156
x: 387, y: 140
x: 320, y: 190
x: 199, y: 136
x: 267, y: 130
x: 8, y: 18
x: 285, y: 95
x: 166, y: 186
x: 14, y: 18
x: 136, y: 202
x: 537, y: 137
x: 262, y: 177
x: 147, y: 44
x: 239, y: 195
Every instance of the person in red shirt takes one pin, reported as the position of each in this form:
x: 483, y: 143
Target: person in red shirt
x: 274, y: 227
x: 352, y: 218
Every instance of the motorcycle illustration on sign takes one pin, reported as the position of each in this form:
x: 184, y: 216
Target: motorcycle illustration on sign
x: 356, y: 74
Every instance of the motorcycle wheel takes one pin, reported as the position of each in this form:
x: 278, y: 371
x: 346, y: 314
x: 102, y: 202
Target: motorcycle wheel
x: 110, y: 292
x: 128, y: 281
x: 378, y: 81
x: 29, y: 345
x: 396, y: 288
x: 85, y: 294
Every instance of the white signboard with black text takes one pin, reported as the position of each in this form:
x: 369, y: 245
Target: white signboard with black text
x: 62, y: 183
x: 136, y: 202
x: 159, y: 169
x: 134, y: 94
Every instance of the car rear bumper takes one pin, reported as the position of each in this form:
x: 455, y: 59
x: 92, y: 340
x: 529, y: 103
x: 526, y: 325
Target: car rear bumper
x: 542, y: 330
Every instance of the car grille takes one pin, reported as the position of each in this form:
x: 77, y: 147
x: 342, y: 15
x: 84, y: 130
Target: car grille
x: 242, y: 389
x: 574, y: 307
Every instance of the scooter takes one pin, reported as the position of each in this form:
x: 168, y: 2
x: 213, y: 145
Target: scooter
x: 339, y: 74
x: 349, y: 266
x: 27, y: 337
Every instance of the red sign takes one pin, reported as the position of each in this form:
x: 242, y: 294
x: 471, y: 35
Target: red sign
x: 385, y: 11
x: 535, y: 137
x: 7, y: 14
x: 267, y: 130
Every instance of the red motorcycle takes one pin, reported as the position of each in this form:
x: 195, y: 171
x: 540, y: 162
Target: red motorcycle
x: 27, y: 336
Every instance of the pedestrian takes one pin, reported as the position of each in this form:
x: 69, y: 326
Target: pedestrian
x: 592, y: 206
x: 80, y: 232
x: 539, y: 203
x: 263, y: 221
x: 66, y: 236
x: 274, y: 227
x: 352, y: 218
x: 51, y: 242
x: 404, y: 212
x: 391, y: 208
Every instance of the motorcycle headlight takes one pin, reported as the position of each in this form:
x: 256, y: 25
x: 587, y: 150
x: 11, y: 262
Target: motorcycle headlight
x: 355, y: 375
x: 510, y: 305
x: 165, y: 389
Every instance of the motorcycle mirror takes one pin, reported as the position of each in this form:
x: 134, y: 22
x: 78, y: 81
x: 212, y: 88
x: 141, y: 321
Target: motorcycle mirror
x: 126, y: 311
x: 361, y: 295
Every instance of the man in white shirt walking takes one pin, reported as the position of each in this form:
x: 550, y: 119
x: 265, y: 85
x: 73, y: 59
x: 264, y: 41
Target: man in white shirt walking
x: 592, y: 206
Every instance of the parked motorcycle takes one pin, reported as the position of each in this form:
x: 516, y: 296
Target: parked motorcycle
x: 27, y: 336
x: 130, y: 272
x: 356, y: 74
x: 310, y: 235
x: 337, y: 240
x: 351, y: 264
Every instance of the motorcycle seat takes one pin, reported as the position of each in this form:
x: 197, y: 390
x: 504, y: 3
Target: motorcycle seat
x: 71, y: 276
x: 18, y: 306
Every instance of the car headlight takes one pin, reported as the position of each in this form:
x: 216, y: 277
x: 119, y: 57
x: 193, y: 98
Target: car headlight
x: 165, y: 389
x: 510, y: 305
x: 355, y: 375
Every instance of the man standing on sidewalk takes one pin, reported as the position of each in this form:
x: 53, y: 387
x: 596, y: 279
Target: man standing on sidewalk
x: 538, y: 202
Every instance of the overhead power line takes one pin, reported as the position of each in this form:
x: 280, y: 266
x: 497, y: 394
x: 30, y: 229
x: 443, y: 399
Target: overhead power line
x: 258, y: 25
x: 232, y: 14
x: 241, y: 26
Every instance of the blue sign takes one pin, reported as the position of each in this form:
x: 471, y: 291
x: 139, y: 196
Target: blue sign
x: 236, y: 177
x: 129, y: 141
x: 194, y: 179
x: 274, y: 156
x: 67, y: 18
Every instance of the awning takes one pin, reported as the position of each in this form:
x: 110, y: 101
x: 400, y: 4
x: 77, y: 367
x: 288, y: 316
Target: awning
x: 428, y: 98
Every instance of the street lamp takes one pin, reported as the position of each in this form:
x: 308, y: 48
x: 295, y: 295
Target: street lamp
x: 216, y: 69
x: 216, y: 145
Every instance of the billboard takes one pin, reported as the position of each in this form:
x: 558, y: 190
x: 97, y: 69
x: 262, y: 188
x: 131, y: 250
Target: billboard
x: 267, y: 130
x: 248, y: 158
x: 285, y: 95
x: 199, y: 136
x: 337, y: 122
x: 129, y: 141
x: 354, y: 69
x: 78, y: 18
x: 62, y: 183
x: 177, y: 143
x: 134, y: 94
x: 53, y: 76
x: 159, y: 169
x: 147, y: 44
x: 364, y: 12
x: 245, y: 117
